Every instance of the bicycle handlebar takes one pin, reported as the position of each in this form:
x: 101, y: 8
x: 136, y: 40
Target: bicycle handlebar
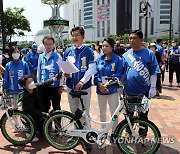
x: 113, y: 81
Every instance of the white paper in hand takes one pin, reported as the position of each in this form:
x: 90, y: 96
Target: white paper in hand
x: 68, y: 67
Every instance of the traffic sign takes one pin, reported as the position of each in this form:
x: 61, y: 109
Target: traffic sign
x: 56, y: 22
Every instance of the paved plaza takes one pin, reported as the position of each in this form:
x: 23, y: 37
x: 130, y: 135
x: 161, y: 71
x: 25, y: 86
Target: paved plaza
x: 164, y: 112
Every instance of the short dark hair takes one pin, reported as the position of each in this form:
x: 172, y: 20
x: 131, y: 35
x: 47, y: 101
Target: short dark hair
x: 110, y: 41
x: 159, y: 40
x: 23, y: 79
x: 81, y: 29
x: 48, y: 38
x: 138, y: 33
x: 174, y: 40
x: 165, y: 42
x: 11, y: 50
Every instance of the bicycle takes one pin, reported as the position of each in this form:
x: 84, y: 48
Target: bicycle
x: 16, y: 126
x: 63, y: 130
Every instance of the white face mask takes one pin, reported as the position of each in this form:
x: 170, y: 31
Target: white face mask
x: 32, y: 85
x: 7, y: 56
x: 16, y: 55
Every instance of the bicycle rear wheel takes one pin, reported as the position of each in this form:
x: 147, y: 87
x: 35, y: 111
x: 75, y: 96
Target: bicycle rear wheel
x: 146, y: 143
x: 55, y: 134
x: 24, y: 127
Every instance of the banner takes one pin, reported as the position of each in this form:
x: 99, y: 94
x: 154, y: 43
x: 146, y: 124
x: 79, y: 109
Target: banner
x: 146, y: 8
x: 103, y: 12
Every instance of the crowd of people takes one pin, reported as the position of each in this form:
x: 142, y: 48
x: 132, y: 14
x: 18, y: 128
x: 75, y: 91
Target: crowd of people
x: 140, y: 67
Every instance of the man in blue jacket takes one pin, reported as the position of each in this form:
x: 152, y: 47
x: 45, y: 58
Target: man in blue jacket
x: 32, y: 60
x: 47, y: 69
x: 174, y: 63
x: 141, y: 69
x: 83, y: 59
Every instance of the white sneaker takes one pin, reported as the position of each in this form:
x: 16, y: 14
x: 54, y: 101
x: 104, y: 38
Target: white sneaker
x: 35, y: 139
x: 170, y: 84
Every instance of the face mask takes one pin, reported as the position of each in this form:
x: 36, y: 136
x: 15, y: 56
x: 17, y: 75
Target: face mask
x: 16, y: 56
x: 6, y: 56
x: 32, y: 85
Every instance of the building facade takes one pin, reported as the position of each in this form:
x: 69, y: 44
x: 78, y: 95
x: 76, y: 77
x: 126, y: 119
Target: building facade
x: 102, y: 17
x: 98, y: 17
x: 158, y: 21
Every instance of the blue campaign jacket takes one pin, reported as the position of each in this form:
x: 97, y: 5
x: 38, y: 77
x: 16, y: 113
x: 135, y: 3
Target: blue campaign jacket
x: 139, y: 66
x: 45, y: 74
x: 13, y: 72
x: 112, y: 67
x: 174, y: 59
x: 83, y: 57
x: 32, y: 60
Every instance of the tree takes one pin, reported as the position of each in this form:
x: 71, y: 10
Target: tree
x: 15, y: 22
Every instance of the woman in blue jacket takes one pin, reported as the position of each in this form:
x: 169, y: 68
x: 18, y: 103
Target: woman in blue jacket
x: 14, y: 70
x: 108, y: 65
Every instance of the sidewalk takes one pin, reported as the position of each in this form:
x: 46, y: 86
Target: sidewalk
x: 164, y: 112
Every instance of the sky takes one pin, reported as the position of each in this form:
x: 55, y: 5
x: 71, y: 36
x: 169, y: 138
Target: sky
x: 35, y: 12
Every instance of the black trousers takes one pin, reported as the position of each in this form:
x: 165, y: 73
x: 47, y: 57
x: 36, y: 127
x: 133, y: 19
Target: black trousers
x: 142, y: 132
x: 158, y: 83
x: 174, y: 67
x: 51, y: 95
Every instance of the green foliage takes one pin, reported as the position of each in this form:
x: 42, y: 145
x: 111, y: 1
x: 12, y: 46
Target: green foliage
x: 165, y: 37
x: 66, y: 41
x: 122, y: 38
x: 15, y: 22
x: 24, y: 45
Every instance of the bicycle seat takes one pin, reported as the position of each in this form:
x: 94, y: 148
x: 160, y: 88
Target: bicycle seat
x: 77, y: 93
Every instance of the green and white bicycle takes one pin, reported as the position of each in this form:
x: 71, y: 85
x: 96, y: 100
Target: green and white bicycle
x: 16, y: 126
x: 63, y: 130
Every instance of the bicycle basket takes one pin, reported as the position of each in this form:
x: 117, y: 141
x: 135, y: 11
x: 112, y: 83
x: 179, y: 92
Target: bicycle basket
x: 138, y: 103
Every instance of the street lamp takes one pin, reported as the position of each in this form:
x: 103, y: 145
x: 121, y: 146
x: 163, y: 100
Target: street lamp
x: 170, y: 23
x: 2, y: 24
x: 56, y: 24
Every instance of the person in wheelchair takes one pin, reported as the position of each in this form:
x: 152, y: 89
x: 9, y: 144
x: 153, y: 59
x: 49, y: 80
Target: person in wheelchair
x: 33, y: 102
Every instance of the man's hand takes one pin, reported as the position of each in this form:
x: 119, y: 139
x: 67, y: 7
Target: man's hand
x: 102, y: 88
x: 79, y: 86
x: 152, y: 92
x: 60, y: 90
x: 67, y: 75
x: 57, y: 77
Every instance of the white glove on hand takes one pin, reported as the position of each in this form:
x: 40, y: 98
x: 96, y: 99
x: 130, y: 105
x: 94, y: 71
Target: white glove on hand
x: 152, y: 92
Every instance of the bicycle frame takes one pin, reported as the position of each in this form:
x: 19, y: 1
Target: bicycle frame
x: 5, y: 107
x: 83, y: 132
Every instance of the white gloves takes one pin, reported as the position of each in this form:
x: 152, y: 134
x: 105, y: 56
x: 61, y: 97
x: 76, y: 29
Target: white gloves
x: 152, y: 91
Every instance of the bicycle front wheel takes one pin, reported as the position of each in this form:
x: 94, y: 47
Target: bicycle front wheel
x: 19, y: 128
x: 56, y: 126
x: 147, y: 140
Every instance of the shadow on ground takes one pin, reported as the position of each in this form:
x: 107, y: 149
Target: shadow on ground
x: 170, y: 88
x: 170, y: 98
x: 35, y: 148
